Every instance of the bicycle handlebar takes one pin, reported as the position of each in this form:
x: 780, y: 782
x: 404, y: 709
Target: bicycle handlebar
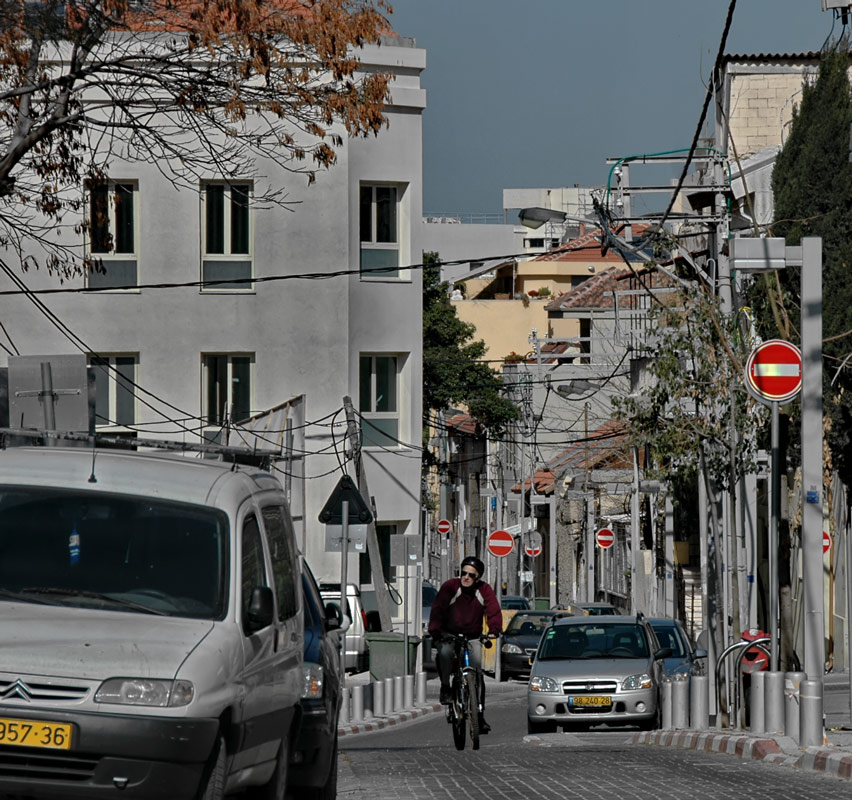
x: 458, y: 638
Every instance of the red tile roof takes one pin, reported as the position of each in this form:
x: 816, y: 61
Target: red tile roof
x: 463, y: 423
x: 594, y: 292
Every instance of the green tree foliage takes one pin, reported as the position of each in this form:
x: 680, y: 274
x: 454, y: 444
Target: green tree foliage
x: 812, y: 183
x: 453, y: 372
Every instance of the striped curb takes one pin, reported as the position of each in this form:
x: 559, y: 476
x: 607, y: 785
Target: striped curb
x: 814, y: 759
x: 387, y: 721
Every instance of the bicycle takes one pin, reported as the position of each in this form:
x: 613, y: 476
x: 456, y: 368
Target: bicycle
x: 464, y: 710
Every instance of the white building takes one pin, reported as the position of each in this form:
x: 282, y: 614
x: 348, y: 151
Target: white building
x: 193, y: 357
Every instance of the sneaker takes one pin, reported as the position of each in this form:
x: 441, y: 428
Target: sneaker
x: 446, y: 695
x: 484, y: 727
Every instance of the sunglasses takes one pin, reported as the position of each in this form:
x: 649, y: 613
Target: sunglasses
x: 473, y: 575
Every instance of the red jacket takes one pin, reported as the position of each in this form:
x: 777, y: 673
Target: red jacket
x: 458, y: 610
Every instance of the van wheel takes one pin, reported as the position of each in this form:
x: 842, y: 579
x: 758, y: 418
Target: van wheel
x: 215, y: 788
x: 276, y: 787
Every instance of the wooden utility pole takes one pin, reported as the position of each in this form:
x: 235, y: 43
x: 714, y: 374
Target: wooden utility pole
x: 383, y: 600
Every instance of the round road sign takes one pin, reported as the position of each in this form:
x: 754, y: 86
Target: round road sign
x: 605, y: 538
x: 826, y: 542
x: 444, y: 527
x: 500, y: 543
x: 773, y: 371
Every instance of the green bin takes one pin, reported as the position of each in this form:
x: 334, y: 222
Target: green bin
x: 387, y: 654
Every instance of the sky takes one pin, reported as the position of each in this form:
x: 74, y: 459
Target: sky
x: 538, y: 93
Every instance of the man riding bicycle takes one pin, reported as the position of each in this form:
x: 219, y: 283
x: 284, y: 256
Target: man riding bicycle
x: 459, y: 607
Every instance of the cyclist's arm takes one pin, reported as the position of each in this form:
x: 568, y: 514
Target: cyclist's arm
x: 493, y: 614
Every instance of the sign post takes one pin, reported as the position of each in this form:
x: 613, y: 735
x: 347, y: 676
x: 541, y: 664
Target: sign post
x: 773, y: 375
x: 500, y: 544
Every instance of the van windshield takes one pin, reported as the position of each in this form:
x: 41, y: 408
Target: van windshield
x: 116, y: 552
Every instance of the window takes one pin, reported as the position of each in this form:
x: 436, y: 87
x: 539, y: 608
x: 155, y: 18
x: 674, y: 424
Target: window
x: 383, y: 535
x: 254, y: 574
x: 115, y: 392
x: 227, y: 388
x: 283, y: 554
x: 226, y: 235
x: 378, y: 401
x: 113, y: 235
x: 379, y: 224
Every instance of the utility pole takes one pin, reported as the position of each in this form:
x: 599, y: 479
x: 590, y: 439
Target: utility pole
x: 374, y: 554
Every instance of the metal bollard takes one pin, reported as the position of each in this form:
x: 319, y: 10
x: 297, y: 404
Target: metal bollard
x: 356, y: 707
x: 369, y: 694
x: 811, y: 733
x: 680, y: 703
x: 408, y: 691
x: 343, y: 716
x: 388, y: 696
x: 397, y: 693
x: 699, y: 702
x: 420, y: 688
x: 378, y: 698
x: 666, y: 700
x: 773, y: 702
x: 757, y: 703
x: 792, y: 683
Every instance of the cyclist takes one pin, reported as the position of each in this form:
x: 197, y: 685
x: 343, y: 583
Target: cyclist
x: 459, y: 607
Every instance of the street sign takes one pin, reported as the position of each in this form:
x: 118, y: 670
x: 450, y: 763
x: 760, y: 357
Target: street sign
x: 605, y: 538
x: 359, y: 517
x: 500, y: 543
x: 405, y: 549
x: 532, y: 546
x: 826, y: 542
x: 773, y: 371
x: 444, y: 527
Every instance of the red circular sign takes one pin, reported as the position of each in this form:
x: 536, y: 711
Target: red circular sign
x: 500, y: 543
x: 773, y: 371
x: 444, y: 527
x: 532, y: 551
x: 605, y: 538
x: 826, y: 542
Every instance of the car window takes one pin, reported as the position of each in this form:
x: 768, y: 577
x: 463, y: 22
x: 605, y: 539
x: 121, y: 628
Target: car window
x: 429, y: 595
x: 528, y: 623
x: 283, y: 554
x: 594, y: 640
x: 252, y: 560
x: 669, y: 636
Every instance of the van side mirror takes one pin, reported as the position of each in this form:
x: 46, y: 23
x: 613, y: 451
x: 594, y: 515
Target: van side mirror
x: 333, y: 617
x: 261, y: 610
x: 699, y: 653
x: 663, y: 652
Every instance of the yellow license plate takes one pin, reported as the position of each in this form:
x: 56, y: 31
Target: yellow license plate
x: 34, y: 733
x: 592, y: 700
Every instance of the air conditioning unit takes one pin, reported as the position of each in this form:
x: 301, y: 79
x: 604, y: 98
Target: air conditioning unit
x: 827, y: 4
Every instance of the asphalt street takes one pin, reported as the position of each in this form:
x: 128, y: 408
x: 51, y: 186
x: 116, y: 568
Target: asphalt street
x: 418, y: 760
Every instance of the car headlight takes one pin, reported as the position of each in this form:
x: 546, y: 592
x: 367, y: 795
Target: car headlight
x: 511, y: 648
x: 313, y: 681
x: 539, y: 684
x: 145, y: 692
x: 642, y: 681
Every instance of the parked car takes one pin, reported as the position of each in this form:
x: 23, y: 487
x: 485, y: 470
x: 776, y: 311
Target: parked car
x: 685, y: 658
x: 510, y: 602
x: 606, y: 669
x: 593, y: 609
x: 152, y: 626
x: 313, y: 761
x: 520, y: 641
x: 354, y: 624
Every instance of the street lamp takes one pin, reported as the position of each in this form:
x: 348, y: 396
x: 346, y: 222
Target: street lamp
x: 536, y: 216
x: 577, y: 387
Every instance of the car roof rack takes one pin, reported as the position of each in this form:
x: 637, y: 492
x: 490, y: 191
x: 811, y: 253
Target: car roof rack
x: 239, y: 455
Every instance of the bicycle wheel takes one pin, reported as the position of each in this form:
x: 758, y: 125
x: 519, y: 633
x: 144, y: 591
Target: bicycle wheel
x: 472, y: 680
x: 456, y: 711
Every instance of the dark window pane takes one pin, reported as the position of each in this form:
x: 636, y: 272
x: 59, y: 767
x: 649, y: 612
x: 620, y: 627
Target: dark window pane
x: 217, y: 373
x: 283, y: 555
x: 215, y: 223
x: 124, y: 218
x: 240, y: 219
x: 380, y: 263
x: 240, y: 388
x: 366, y: 214
x: 365, y: 384
x: 385, y: 214
x: 385, y: 383
x: 101, y: 371
x: 116, y: 273
x: 125, y: 399
x: 252, y: 561
x: 99, y: 219
x: 227, y: 274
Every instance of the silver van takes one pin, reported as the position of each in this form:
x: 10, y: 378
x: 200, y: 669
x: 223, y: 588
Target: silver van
x: 151, y: 626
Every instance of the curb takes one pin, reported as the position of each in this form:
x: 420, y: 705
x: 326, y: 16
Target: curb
x: 814, y: 759
x: 387, y: 721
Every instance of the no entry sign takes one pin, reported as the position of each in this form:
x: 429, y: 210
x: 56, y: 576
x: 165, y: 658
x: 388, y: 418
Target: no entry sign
x: 532, y: 546
x: 826, y: 542
x: 500, y: 543
x: 605, y: 538
x: 773, y: 371
x: 444, y: 527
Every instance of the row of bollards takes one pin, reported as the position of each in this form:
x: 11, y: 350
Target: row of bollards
x: 685, y: 702
x: 381, y: 697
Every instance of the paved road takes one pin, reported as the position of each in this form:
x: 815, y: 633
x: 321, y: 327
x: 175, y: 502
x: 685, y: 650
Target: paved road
x: 418, y: 761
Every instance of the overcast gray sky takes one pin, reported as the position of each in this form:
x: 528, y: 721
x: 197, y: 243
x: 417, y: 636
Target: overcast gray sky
x: 538, y: 93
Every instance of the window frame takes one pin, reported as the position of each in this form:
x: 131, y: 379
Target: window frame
x: 227, y: 223
x: 372, y: 414
x: 372, y: 244
x: 96, y: 280
x: 114, y: 387
x: 229, y: 382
